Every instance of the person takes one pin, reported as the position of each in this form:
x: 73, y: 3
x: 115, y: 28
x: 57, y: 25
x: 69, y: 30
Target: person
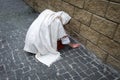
x: 43, y: 34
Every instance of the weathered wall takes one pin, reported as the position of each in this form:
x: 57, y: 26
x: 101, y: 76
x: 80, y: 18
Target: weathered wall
x: 95, y: 23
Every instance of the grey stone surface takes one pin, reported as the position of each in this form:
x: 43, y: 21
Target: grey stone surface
x: 15, y: 64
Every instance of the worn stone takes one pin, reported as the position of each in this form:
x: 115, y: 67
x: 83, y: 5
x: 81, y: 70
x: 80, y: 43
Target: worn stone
x: 78, y: 3
x: 117, y: 34
x: 109, y: 46
x: 68, y: 8
x: 99, y: 52
x: 103, y: 26
x: 79, y: 37
x: 83, y: 16
x: 29, y: 2
x: 38, y: 4
x: 96, y: 6
x: 51, y: 4
x: 117, y: 1
x: 113, y: 12
x: 114, y: 62
x: 67, y: 27
x: 75, y: 25
x: 89, y: 34
x: 57, y: 5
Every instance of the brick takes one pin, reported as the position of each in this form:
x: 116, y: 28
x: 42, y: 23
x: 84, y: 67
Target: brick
x: 66, y: 76
x: 89, y: 34
x: 117, y: 1
x: 77, y: 78
x: 68, y: 28
x: 67, y: 8
x: 88, y: 72
x: 82, y: 60
x: 96, y: 6
x: 40, y: 5
x: 29, y: 2
x: 26, y: 69
x: 74, y: 73
x: 97, y: 51
x: 82, y: 15
x: 109, y: 46
x: 78, y: 37
x: 114, y: 62
x: 117, y: 34
x: 103, y: 26
x: 113, y: 12
x: 51, y: 4
x: 58, y: 4
x: 75, y: 25
x: 78, y: 3
x: 2, y: 68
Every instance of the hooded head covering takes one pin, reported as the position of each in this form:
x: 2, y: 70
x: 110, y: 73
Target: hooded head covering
x: 65, y: 18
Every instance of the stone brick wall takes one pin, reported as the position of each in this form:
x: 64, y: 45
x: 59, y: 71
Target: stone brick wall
x: 95, y: 23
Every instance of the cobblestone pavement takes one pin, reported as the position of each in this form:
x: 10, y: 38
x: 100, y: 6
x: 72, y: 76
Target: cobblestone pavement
x: 15, y: 64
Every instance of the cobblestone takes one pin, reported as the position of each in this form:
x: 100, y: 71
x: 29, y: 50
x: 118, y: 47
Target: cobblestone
x: 15, y: 64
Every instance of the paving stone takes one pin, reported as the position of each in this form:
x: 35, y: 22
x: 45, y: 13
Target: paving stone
x: 73, y: 73
x: 15, y: 64
x: 66, y: 76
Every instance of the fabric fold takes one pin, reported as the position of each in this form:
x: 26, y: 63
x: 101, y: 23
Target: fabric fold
x: 43, y: 34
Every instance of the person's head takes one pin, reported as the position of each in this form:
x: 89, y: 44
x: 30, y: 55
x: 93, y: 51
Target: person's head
x: 64, y: 17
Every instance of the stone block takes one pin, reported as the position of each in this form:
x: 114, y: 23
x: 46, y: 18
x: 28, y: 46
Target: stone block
x: 117, y: 1
x: 113, y: 12
x: 75, y: 25
x: 51, y: 4
x: 98, y: 52
x: 103, y: 26
x: 114, y: 62
x: 109, y: 46
x: 68, y: 28
x: 83, y: 16
x: 57, y: 5
x: 78, y: 3
x: 68, y: 8
x: 28, y: 1
x: 79, y: 38
x: 117, y: 34
x: 40, y: 5
x: 89, y: 34
x: 96, y: 6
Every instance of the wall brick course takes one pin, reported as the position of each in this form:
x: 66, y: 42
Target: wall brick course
x: 68, y: 8
x: 103, y: 26
x: 96, y: 6
x: 58, y: 4
x: 113, y: 12
x: 99, y: 52
x: 117, y: 1
x: 78, y: 37
x: 38, y: 5
x: 83, y: 16
x: 117, y: 34
x: 110, y: 46
x: 51, y: 4
x: 90, y: 34
x: 75, y: 25
x: 78, y: 3
x: 114, y: 62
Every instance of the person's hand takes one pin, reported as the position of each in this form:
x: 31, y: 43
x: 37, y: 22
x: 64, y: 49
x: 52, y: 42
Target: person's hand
x: 74, y: 45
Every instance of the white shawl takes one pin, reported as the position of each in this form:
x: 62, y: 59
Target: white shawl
x: 42, y: 36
